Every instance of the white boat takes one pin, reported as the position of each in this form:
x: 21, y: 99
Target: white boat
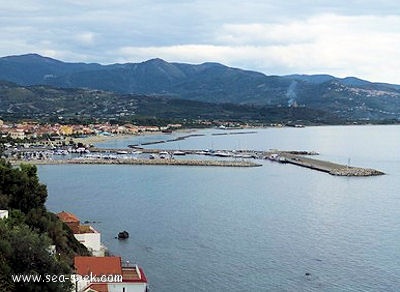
x: 61, y: 152
x: 179, y: 152
x: 222, y: 154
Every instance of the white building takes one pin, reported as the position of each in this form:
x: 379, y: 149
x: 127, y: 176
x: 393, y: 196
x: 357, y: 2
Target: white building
x: 107, y: 274
x: 85, y: 234
x: 90, y: 238
x: 3, y: 214
x: 17, y: 134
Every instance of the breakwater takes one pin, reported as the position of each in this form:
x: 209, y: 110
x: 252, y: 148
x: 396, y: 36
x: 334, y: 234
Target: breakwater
x: 177, y: 162
x: 328, y: 167
x: 180, y: 138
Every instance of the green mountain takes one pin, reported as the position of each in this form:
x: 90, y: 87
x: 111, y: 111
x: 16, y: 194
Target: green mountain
x: 348, y: 98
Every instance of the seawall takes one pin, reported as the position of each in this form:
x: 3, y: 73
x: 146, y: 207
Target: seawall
x: 178, y: 162
x: 329, y: 167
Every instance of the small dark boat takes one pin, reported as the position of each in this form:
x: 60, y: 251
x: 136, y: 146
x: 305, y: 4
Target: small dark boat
x: 123, y: 235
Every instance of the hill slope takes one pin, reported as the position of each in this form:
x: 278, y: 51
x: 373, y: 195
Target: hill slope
x: 75, y: 105
x: 350, y: 98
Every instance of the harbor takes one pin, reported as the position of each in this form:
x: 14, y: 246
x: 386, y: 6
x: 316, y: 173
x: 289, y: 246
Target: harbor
x: 215, y: 158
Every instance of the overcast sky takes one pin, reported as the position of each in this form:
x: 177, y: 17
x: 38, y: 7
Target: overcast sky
x: 341, y: 38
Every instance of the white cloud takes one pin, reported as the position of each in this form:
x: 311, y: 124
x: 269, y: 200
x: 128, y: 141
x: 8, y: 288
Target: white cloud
x: 335, y: 37
x: 339, y: 45
x: 85, y: 38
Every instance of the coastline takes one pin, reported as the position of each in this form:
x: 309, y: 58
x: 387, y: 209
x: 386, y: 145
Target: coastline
x: 92, y: 139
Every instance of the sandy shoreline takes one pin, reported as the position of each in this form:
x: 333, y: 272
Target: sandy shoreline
x: 93, y: 139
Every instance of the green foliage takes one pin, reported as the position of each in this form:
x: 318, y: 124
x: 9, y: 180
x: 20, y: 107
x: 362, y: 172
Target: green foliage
x: 29, y: 231
x: 23, y: 251
x: 20, y: 188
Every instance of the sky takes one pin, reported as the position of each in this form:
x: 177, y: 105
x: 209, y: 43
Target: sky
x: 340, y: 38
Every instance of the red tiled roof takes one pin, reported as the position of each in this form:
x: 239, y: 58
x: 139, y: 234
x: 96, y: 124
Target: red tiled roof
x: 131, y: 275
x: 98, y: 265
x: 98, y: 287
x: 67, y: 217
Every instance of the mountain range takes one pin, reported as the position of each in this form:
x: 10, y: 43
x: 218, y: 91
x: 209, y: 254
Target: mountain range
x: 348, y: 99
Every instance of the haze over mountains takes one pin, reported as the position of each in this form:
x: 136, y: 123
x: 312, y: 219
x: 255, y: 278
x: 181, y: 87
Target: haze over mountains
x: 348, y: 99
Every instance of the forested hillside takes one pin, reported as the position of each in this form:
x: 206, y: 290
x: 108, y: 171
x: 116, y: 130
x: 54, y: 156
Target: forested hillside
x: 30, y: 230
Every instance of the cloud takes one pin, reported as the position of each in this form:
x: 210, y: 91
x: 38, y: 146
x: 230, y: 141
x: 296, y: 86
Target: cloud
x: 85, y: 38
x: 341, y: 45
x: 341, y: 38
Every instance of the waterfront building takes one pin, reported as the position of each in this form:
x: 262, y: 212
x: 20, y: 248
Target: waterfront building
x: 17, y: 134
x: 85, y: 234
x: 107, y: 274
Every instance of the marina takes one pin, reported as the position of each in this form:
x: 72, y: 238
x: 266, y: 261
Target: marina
x: 241, y: 158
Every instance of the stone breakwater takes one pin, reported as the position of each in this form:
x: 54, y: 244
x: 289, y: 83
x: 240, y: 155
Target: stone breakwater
x: 329, y: 167
x: 355, y: 171
x: 177, y: 162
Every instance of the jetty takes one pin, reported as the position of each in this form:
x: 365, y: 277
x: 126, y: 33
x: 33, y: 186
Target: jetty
x: 130, y: 161
x: 327, y: 166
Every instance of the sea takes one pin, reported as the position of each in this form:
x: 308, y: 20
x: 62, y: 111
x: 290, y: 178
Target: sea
x: 277, y: 227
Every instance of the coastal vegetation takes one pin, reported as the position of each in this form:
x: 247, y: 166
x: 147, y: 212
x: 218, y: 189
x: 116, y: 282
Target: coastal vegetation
x: 30, y: 231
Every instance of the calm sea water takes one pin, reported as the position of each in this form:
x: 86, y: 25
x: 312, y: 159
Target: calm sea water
x: 250, y: 229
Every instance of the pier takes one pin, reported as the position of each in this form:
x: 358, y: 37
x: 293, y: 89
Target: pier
x: 328, y: 167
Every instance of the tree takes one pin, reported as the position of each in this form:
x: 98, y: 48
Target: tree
x: 29, y: 193
x: 25, y: 252
x: 25, y: 237
x: 20, y: 187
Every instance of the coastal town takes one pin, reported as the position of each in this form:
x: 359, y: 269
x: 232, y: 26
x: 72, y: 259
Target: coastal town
x: 35, y: 130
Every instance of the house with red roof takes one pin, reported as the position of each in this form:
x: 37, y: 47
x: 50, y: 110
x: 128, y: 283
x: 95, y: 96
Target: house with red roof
x: 85, y: 234
x: 108, y: 274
